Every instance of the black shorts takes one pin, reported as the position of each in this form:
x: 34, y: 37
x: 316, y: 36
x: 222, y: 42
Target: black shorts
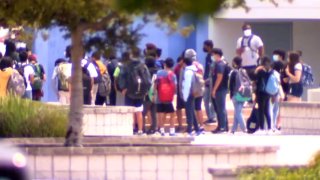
x: 296, y: 89
x: 198, y: 103
x: 180, y: 103
x: 133, y: 102
x: 165, y: 108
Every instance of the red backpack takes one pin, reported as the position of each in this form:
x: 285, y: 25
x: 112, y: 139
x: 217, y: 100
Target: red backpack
x: 166, y: 88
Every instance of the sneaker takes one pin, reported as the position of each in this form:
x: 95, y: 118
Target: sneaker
x: 172, y: 134
x: 219, y: 131
x: 140, y: 133
x: 210, y: 122
x: 151, y: 131
x: 179, y: 129
x: 260, y: 132
x: 163, y: 134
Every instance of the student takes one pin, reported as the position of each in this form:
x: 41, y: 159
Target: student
x: 262, y: 98
x: 180, y: 104
x: 219, y: 90
x: 250, y: 48
x: 209, y: 64
x: 294, y: 72
x: 61, y: 80
x: 238, y: 80
x: 188, y: 98
x: 39, y: 78
x: 27, y: 71
x: 136, y: 86
x: 165, y: 89
x: 6, y: 70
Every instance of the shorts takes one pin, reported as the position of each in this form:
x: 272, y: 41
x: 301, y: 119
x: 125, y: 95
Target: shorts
x: 296, y: 89
x: 137, y: 103
x: 198, y: 103
x: 180, y: 103
x: 165, y: 108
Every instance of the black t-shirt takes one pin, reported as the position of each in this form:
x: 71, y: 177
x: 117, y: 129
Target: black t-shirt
x: 262, y: 77
x: 278, y: 66
x: 219, y: 68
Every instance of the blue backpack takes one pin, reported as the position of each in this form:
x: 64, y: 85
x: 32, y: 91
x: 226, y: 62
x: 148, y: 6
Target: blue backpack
x: 307, y: 76
x: 272, y: 84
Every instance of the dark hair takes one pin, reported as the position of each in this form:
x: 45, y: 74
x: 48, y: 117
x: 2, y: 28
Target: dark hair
x: 135, y: 52
x: 294, y: 58
x: 159, y: 52
x: 217, y: 51
x: 169, y: 62
x: 266, y: 62
x: 68, y: 51
x: 23, y: 56
x: 237, y: 61
x: 246, y: 26
x: 188, y: 61
x: 150, y: 62
x: 96, y: 55
x: 1, y: 55
x: 58, y: 61
x: 281, y: 53
x: 208, y: 43
x: 179, y: 59
x: 6, y: 62
x: 299, y: 52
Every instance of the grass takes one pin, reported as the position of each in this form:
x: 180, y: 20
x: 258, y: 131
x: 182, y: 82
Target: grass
x: 26, y: 118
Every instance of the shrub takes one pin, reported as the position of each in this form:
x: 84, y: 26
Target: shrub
x: 26, y: 118
x: 312, y: 172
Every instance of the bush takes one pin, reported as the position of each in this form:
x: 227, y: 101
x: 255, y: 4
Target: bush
x: 311, y: 172
x: 26, y: 118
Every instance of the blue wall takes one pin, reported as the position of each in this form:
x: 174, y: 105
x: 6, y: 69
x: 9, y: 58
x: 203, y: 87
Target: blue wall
x: 172, y: 45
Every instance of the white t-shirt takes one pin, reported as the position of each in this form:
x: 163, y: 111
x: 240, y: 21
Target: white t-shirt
x: 298, y: 67
x: 91, y: 68
x: 28, y: 70
x: 250, y: 54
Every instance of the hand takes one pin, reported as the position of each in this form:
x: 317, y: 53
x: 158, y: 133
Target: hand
x: 124, y: 92
x: 287, y: 71
x: 213, y: 93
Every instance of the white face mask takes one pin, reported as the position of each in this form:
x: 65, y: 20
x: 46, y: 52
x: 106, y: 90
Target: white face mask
x: 275, y: 57
x: 247, y: 32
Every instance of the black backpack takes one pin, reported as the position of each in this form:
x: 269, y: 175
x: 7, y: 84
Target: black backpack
x: 252, y: 122
x: 138, y: 81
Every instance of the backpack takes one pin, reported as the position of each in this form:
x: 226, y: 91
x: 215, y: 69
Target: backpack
x: 138, y: 81
x: 252, y: 122
x: 272, y: 83
x: 248, y: 42
x: 38, y: 76
x: 243, y: 86
x: 104, y: 87
x: 63, y: 82
x: 20, y: 69
x: 307, y: 76
x: 16, y: 84
x: 197, y: 85
x: 227, y: 71
x: 166, y: 87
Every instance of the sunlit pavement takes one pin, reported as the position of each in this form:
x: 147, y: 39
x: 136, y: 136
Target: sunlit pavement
x: 293, y: 150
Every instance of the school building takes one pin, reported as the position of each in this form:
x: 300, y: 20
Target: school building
x: 289, y: 25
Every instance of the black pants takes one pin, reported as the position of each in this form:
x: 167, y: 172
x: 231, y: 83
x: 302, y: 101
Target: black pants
x: 152, y: 107
x: 113, y: 97
x: 263, y: 101
x: 100, y: 100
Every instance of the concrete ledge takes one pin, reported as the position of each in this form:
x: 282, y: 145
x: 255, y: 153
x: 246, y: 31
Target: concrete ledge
x: 300, y: 118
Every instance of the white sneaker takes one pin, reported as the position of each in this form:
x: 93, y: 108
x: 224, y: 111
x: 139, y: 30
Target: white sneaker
x: 260, y: 132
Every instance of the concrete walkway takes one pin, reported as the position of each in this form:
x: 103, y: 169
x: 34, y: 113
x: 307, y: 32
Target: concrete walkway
x: 293, y: 150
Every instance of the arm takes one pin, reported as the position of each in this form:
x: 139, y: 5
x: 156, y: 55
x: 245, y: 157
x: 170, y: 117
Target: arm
x: 296, y: 77
x: 261, y: 51
x: 186, y: 84
x: 239, y: 49
x: 232, y: 83
x: 217, y: 84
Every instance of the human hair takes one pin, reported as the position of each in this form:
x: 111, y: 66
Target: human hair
x: 266, y: 62
x: 208, y: 43
x: 299, y: 52
x: 23, y: 56
x: 281, y: 53
x: 294, y: 58
x: 96, y: 55
x: 135, y: 52
x: 169, y: 62
x: 188, y: 61
x: 179, y: 59
x: 68, y: 51
x: 158, y: 52
x: 246, y: 26
x: 217, y: 51
x: 237, y: 61
x: 6, y: 62
x: 58, y: 61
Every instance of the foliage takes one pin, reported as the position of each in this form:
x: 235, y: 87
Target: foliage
x: 26, y: 118
x: 311, y: 172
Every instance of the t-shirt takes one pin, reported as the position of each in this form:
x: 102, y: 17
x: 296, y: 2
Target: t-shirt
x: 116, y: 72
x: 91, y: 68
x: 28, y: 71
x: 297, y: 67
x: 219, y: 68
x: 250, y: 54
x: 101, y: 66
x: 4, y: 78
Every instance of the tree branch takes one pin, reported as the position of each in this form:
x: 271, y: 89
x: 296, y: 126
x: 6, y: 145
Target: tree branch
x: 99, y: 25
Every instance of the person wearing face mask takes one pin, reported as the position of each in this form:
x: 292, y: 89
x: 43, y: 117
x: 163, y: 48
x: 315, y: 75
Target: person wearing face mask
x: 250, y: 48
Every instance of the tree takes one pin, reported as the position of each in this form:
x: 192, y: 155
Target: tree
x: 80, y: 16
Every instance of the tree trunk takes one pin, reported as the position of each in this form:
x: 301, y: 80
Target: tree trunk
x: 74, y: 133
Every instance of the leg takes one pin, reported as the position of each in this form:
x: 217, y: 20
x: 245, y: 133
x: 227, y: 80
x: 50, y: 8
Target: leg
x: 94, y: 93
x: 235, y: 115
x: 113, y: 97
x: 190, y: 113
x: 199, y: 115
x: 153, y: 112
x: 261, y: 109
x: 208, y: 104
x: 267, y: 112
x: 221, y: 108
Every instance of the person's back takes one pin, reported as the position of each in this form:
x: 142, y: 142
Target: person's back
x: 5, y: 73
